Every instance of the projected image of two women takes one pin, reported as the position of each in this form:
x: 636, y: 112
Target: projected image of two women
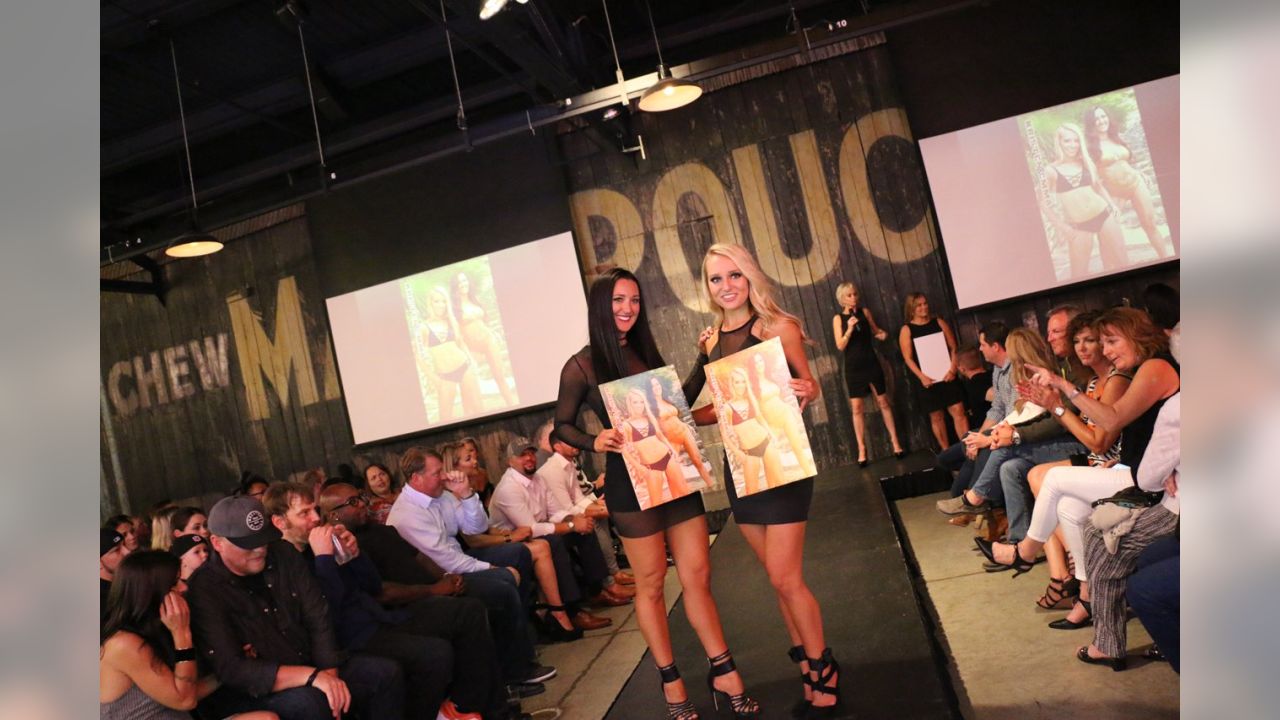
x: 458, y: 341
x: 1096, y: 185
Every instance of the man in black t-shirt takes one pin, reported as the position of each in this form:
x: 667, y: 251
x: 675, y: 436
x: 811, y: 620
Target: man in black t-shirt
x: 976, y: 382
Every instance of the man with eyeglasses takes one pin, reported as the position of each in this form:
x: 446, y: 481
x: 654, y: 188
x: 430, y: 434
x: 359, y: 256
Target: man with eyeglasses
x: 444, y: 648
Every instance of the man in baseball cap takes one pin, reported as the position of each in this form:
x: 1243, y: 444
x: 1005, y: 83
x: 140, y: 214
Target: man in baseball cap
x: 255, y: 592
x: 111, y: 551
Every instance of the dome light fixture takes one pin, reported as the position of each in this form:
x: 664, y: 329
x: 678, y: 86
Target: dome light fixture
x: 669, y: 92
x: 197, y: 242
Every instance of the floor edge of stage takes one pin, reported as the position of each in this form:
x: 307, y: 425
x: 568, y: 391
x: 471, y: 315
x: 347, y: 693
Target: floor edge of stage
x: 876, y: 617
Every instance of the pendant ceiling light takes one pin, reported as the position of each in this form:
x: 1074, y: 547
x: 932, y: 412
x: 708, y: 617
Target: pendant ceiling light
x: 668, y: 93
x: 197, y: 242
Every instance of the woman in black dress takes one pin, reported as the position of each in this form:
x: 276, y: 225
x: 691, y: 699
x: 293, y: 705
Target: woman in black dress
x: 935, y: 395
x: 854, y: 327
x: 773, y: 522
x: 621, y: 346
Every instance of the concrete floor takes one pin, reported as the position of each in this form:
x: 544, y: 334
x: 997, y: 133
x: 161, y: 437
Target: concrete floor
x: 1005, y: 662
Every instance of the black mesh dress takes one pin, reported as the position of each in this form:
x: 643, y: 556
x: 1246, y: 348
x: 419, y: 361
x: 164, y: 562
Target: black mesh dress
x: 578, y: 385
x: 786, y: 504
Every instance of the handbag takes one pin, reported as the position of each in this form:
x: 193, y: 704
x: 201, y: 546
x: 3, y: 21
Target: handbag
x: 1132, y: 497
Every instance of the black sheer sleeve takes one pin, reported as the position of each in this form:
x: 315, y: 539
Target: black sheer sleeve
x: 574, y: 387
x: 696, y: 380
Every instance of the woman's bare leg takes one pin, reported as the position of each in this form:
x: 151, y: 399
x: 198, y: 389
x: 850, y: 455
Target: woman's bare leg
x: 448, y: 393
x: 751, y: 473
x: 648, y: 556
x: 1111, y: 245
x: 773, y: 474
x: 886, y: 413
x: 690, y: 550
x: 755, y: 535
x: 1146, y: 211
x: 675, y: 479
x: 938, y: 424
x: 545, y: 570
x: 859, y: 427
x: 784, y: 553
x: 471, y: 403
x: 1079, y: 249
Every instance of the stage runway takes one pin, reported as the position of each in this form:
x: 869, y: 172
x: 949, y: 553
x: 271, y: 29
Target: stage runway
x: 854, y: 565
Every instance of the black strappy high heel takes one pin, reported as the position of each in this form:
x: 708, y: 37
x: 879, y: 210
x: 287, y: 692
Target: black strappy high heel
x: 1019, y: 565
x: 801, y: 706
x: 826, y: 669
x: 1065, y: 624
x: 741, y: 705
x: 683, y: 710
x: 552, y: 629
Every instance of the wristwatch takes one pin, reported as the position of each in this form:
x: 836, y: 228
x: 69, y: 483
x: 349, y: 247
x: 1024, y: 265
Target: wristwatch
x: 1059, y: 411
x: 1017, y: 437
x: 570, y: 521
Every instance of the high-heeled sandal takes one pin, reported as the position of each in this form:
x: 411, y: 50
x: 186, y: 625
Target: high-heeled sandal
x: 1019, y: 565
x: 802, y: 705
x: 552, y: 629
x: 1067, y: 624
x: 826, y: 668
x: 683, y: 710
x: 741, y: 705
x: 1058, y: 589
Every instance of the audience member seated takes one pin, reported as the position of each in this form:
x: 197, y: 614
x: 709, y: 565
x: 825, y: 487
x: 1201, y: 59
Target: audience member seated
x: 262, y: 624
x: 162, y: 527
x: 521, y: 499
x: 1132, y: 342
x: 1116, y: 536
x: 251, y: 485
x: 568, y: 487
x: 383, y: 489
x: 189, y: 521
x: 351, y: 585
x: 1162, y: 304
x: 533, y: 558
x: 1055, y: 333
x: 1155, y: 595
x: 976, y: 383
x: 147, y: 663
x: 111, y: 551
x: 409, y: 575
x: 963, y: 458
x: 477, y: 474
x: 1106, y: 386
x: 192, y: 551
x: 127, y: 527
x: 1027, y: 436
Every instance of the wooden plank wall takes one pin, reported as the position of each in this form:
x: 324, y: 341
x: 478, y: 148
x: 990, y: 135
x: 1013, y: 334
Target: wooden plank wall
x: 813, y: 168
x: 182, y: 421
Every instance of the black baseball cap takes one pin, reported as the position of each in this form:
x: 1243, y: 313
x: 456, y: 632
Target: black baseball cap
x: 243, y: 521
x: 107, y: 540
x: 183, y: 543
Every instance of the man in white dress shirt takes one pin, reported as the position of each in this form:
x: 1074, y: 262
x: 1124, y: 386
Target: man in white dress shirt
x: 569, y: 488
x: 522, y: 499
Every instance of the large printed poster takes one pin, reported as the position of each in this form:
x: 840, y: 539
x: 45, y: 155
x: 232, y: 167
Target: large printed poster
x: 663, y: 454
x: 760, y: 422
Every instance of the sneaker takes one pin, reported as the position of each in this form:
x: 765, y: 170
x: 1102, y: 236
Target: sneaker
x: 449, y: 711
x: 540, y: 673
x: 525, y: 689
x: 958, y: 505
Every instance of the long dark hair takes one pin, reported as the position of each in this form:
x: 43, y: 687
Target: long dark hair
x: 133, y: 605
x: 1092, y: 140
x: 606, y: 353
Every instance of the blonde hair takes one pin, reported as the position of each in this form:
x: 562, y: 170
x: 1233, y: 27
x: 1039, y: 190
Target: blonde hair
x: 449, y: 455
x: 1026, y: 348
x: 845, y: 286
x: 760, y: 291
x: 1085, y: 160
x: 162, y: 528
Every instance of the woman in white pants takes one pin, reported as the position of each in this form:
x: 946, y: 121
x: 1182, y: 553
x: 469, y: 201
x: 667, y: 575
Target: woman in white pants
x: 1129, y: 340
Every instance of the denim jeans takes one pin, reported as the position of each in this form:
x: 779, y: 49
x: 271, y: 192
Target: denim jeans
x: 954, y: 460
x: 508, y: 619
x: 1010, y: 465
x: 1153, y: 594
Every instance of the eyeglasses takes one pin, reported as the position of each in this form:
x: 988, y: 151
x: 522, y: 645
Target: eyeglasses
x: 355, y: 501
